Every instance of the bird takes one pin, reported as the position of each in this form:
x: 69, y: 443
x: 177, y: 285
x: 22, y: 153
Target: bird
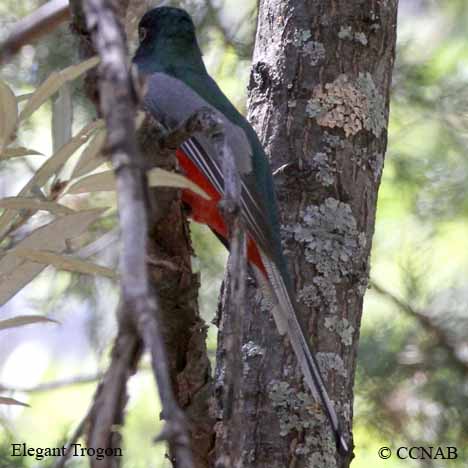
x: 178, y: 85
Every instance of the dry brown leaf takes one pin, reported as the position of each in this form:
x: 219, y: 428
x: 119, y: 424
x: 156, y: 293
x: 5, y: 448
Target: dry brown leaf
x: 105, y: 181
x: 23, y: 97
x: 8, y: 114
x: 24, y: 203
x: 53, y: 83
x: 22, y: 320
x: 64, y: 262
x: 161, y: 178
x: 49, y: 168
x: 100, y: 182
x: 62, y: 118
x: 8, y: 153
x: 11, y: 401
x: 91, y: 157
x: 56, y: 161
x: 15, y: 272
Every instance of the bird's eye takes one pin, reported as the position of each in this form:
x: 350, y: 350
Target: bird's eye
x: 142, y: 34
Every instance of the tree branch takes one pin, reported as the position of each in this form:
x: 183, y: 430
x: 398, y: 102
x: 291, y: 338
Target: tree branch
x: 39, y: 23
x: 54, y: 385
x: 73, y: 440
x: 233, y: 298
x: 139, y: 302
x: 426, y: 322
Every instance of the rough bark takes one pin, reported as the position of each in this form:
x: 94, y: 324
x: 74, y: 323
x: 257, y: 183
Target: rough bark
x: 184, y: 330
x: 319, y: 97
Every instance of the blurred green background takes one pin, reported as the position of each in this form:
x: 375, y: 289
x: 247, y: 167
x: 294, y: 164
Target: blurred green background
x: 412, y: 378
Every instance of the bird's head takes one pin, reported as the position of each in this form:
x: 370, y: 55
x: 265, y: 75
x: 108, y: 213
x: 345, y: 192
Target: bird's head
x: 164, y: 25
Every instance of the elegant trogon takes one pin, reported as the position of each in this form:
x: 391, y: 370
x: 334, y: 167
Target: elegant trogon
x: 177, y: 86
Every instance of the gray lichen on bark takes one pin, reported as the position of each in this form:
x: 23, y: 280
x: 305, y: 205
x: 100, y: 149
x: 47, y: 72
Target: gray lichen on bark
x: 320, y: 106
x: 330, y: 237
x: 346, y: 32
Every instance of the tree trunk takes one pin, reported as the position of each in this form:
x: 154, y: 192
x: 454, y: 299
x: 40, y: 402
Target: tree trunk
x: 319, y: 97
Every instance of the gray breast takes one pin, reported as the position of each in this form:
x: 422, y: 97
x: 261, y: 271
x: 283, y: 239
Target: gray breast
x: 172, y: 102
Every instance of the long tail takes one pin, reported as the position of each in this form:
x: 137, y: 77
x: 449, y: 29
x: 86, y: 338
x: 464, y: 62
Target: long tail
x: 287, y: 322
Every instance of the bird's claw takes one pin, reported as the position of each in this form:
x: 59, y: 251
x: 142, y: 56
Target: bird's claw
x: 205, y: 120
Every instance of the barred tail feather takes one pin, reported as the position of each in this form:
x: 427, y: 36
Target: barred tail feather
x: 287, y: 321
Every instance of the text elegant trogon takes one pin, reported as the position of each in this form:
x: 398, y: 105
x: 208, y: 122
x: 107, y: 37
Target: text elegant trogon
x: 177, y: 86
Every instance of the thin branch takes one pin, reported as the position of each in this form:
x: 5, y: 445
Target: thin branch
x: 110, y: 397
x: 55, y: 385
x: 234, y: 293
x: 29, y: 29
x: 440, y: 335
x: 230, y: 206
x: 73, y: 440
x: 106, y: 411
x: 140, y: 308
x: 190, y: 379
x: 243, y: 49
x: 206, y: 121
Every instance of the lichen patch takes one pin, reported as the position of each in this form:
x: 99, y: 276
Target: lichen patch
x: 331, y: 239
x: 292, y: 406
x: 342, y: 327
x: 325, y: 171
x: 315, y: 51
x: 350, y: 105
x: 346, y: 32
x: 331, y: 362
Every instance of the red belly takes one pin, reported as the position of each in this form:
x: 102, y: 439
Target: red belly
x: 206, y: 211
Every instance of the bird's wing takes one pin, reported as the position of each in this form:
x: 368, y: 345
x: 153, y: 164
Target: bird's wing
x: 172, y: 101
x: 252, y: 212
